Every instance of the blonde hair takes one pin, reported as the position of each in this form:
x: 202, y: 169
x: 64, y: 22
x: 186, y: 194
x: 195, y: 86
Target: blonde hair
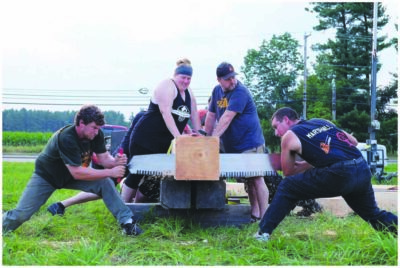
x: 183, y: 61
x: 183, y: 67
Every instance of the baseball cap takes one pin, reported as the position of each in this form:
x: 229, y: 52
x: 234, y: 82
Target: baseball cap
x: 225, y: 70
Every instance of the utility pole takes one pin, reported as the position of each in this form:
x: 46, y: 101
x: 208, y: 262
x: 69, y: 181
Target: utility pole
x: 305, y: 77
x: 373, y: 154
x: 333, y: 99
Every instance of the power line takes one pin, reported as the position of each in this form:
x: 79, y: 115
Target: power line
x: 94, y: 90
x: 9, y: 95
x: 341, y: 65
x: 66, y: 104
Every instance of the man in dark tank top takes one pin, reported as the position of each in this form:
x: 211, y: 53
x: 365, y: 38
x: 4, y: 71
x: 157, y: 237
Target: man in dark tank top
x: 332, y: 166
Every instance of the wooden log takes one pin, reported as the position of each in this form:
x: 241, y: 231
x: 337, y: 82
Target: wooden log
x: 197, y: 158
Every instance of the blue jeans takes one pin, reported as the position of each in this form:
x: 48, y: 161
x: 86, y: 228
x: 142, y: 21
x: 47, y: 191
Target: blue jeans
x: 39, y: 190
x: 350, y: 179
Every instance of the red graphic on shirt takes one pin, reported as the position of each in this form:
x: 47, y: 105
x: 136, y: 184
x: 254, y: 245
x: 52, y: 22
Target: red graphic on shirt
x: 342, y: 137
x: 325, y: 146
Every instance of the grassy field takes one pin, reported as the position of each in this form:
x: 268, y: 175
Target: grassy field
x: 89, y: 235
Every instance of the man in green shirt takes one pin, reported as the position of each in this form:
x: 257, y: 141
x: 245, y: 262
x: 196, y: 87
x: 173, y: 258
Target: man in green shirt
x: 64, y: 163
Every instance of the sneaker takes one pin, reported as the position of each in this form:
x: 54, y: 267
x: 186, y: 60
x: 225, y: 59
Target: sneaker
x: 318, y: 208
x: 307, y: 211
x: 56, y: 209
x: 131, y: 228
x: 254, y: 219
x: 304, y: 213
x: 263, y: 237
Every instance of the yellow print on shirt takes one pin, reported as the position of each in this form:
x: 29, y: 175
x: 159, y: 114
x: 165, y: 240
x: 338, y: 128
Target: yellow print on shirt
x: 223, y: 103
x: 85, y: 157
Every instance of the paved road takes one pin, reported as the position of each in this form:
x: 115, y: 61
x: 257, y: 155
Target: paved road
x: 19, y: 158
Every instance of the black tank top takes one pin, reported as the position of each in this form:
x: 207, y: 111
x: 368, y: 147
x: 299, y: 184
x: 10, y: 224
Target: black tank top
x: 151, y: 131
x: 323, y: 143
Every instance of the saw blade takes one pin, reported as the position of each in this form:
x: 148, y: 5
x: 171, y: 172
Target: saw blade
x: 231, y: 165
x: 245, y: 165
x: 153, y: 164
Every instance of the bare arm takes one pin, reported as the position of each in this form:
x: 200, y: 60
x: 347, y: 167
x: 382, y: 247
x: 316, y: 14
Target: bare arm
x: 164, y: 96
x: 209, y: 123
x: 351, y: 138
x: 302, y: 166
x: 107, y: 161
x: 290, y: 146
x: 194, y: 115
x: 223, y: 123
x: 91, y: 174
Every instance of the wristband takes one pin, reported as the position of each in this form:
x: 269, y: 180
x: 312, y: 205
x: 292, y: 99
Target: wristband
x: 202, y: 132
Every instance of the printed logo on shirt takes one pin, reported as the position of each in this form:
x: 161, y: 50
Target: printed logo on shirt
x: 182, y: 112
x: 325, y: 146
x: 342, y: 137
x: 223, y: 103
x: 86, y: 159
x: 316, y: 131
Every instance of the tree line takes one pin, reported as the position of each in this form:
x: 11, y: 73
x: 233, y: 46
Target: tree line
x: 46, y: 121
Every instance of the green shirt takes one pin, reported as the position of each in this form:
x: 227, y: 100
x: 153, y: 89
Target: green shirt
x: 66, y: 148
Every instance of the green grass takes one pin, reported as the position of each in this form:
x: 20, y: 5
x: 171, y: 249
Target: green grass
x: 30, y: 149
x: 390, y: 168
x: 89, y: 235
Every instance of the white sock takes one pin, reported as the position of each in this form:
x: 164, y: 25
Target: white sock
x: 129, y: 221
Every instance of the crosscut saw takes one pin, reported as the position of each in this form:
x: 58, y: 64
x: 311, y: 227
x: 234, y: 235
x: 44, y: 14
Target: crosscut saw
x: 230, y: 165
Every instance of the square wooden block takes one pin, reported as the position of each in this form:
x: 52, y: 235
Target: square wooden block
x: 197, y: 158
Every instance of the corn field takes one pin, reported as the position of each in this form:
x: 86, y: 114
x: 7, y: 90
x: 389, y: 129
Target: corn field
x: 19, y: 138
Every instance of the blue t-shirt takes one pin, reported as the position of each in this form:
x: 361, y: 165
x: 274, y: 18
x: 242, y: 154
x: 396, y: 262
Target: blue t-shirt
x: 244, y: 132
x: 324, y: 144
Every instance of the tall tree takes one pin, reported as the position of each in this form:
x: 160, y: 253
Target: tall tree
x: 387, y: 114
x: 270, y: 74
x: 319, y: 97
x: 347, y: 58
x: 271, y: 71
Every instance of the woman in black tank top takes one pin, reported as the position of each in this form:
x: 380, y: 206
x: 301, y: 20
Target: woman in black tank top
x: 170, y: 108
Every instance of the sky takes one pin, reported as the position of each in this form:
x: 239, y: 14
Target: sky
x: 68, y: 53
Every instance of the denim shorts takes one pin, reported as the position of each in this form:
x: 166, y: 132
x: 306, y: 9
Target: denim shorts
x: 256, y: 150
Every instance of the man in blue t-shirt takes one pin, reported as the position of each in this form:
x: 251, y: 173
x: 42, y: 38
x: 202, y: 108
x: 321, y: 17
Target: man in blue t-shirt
x: 332, y: 166
x: 239, y: 128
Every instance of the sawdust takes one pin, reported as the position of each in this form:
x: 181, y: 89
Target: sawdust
x: 59, y: 244
x: 330, y: 233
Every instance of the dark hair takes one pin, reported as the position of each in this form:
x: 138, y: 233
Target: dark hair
x: 285, y: 111
x: 89, y: 114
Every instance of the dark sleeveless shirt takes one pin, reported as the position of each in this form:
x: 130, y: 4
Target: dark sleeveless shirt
x: 152, y: 133
x: 323, y: 143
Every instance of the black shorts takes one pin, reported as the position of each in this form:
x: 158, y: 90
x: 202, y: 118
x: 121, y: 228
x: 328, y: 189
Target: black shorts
x: 149, y: 186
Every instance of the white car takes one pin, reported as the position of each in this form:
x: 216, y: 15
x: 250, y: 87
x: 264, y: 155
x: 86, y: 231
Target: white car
x: 381, y: 151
